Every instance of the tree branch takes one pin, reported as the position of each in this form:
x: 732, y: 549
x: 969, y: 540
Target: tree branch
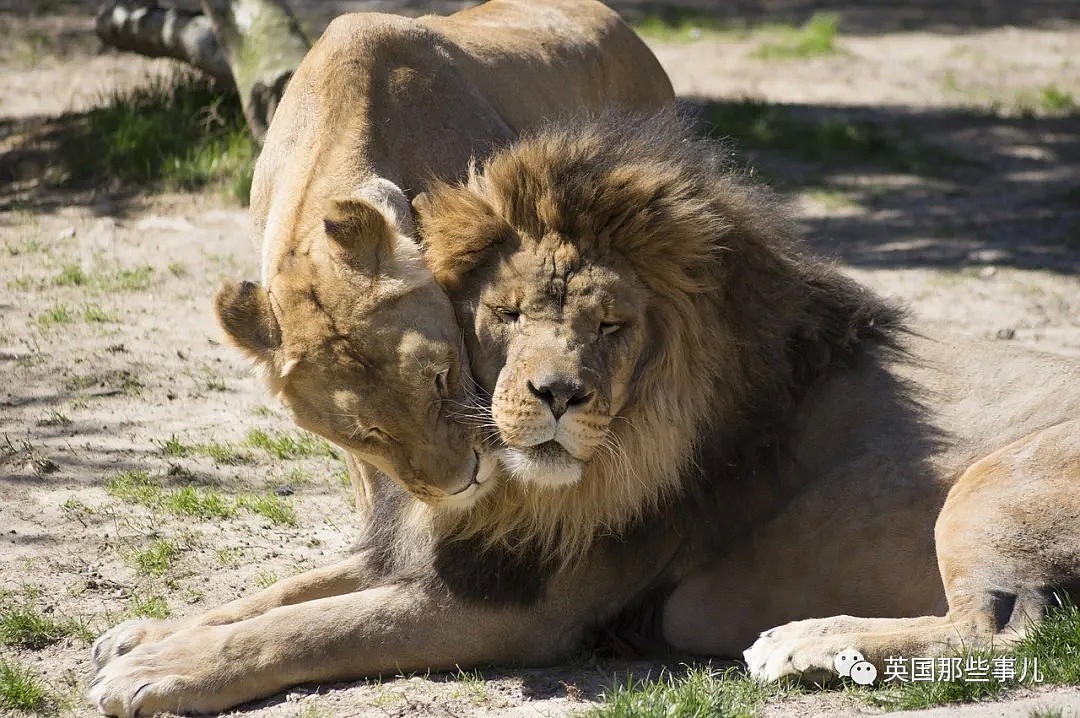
x: 142, y: 26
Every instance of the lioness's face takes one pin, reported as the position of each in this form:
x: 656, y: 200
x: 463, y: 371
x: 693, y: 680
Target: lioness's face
x: 364, y: 349
x: 556, y: 338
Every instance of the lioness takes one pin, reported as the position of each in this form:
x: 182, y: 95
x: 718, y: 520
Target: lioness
x: 349, y: 328
x: 347, y: 325
x: 711, y: 433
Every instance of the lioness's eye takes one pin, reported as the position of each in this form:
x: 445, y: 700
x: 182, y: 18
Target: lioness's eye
x: 441, y: 385
x: 609, y: 328
x: 376, y: 434
x: 506, y: 315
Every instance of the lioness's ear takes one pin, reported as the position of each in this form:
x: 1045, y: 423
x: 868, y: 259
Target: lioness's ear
x: 243, y: 310
x: 362, y: 235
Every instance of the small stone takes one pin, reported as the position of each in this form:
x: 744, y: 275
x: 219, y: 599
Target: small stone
x: 1006, y: 334
x: 66, y: 233
x: 284, y: 491
x: 988, y: 271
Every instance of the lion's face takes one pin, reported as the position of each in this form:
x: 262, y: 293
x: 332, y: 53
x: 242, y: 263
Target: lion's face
x: 557, y: 337
x: 363, y: 347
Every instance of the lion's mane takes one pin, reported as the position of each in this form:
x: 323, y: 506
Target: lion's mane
x: 741, y: 321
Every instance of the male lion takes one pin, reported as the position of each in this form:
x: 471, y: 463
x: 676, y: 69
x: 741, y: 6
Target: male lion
x: 711, y: 433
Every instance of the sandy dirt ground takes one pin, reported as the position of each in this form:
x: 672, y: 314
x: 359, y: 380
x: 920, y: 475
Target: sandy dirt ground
x: 125, y: 371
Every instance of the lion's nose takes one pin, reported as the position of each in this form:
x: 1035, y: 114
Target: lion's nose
x: 559, y: 393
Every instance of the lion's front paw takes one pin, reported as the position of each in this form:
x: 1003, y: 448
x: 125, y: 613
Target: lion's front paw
x: 139, y: 683
x: 122, y: 638
x: 795, y: 650
x: 180, y: 674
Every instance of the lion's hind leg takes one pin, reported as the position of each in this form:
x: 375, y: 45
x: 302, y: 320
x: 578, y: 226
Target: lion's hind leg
x: 1008, y: 545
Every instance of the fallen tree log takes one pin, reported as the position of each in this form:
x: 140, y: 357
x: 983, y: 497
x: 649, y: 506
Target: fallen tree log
x: 143, y: 27
x: 250, y: 45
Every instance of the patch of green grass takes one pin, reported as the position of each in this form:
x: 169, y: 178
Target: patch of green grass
x: 29, y: 245
x: 94, y: 314
x: 297, y: 477
x: 265, y: 579
x: 148, y: 607
x: 220, y: 452
x: 472, y: 687
x: 130, y: 279
x: 121, y: 279
x: 230, y: 557
x: 679, y: 27
x: 284, y: 445
x: 62, y: 314
x: 269, y: 506
x: 77, y: 510
x: 342, y: 475
x: 178, y: 269
x: 814, y: 38
x: 204, y: 503
x: 24, y: 626
x: 122, y: 379
x: 830, y: 142
x: 224, y: 453
x: 56, y: 417
x: 198, y: 502
x: 135, y: 487
x: 1054, y: 99
x: 72, y: 275
x: 831, y: 199
x: 22, y: 690
x: 208, y: 378
x: 175, y: 448
x: 55, y: 316
x: 1056, y: 643
x: 182, y: 132
x: 156, y: 559
x: 698, y: 693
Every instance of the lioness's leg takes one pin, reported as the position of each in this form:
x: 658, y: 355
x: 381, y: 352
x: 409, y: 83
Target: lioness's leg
x: 1006, y: 537
x: 389, y: 629
x: 343, y: 577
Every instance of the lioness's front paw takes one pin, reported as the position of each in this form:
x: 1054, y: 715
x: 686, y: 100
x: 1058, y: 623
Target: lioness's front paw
x: 121, y: 638
x: 794, y: 650
x: 180, y: 674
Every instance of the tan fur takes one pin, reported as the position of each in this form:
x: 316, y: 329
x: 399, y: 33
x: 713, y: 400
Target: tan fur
x: 349, y: 328
x: 788, y: 451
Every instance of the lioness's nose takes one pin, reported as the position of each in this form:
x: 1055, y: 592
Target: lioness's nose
x: 559, y: 392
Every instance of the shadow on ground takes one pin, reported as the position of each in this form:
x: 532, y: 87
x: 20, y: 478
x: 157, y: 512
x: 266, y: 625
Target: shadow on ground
x: 909, y: 187
x: 917, y: 187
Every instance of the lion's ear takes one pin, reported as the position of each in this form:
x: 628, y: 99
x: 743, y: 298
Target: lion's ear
x: 361, y: 235
x: 421, y: 205
x: 458, y: 226
x: 243, y: 310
